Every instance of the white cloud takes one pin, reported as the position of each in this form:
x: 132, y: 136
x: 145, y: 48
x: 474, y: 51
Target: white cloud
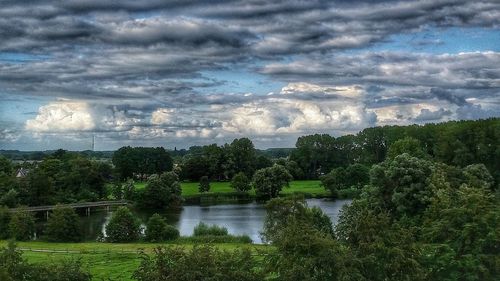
x: 62, y: 116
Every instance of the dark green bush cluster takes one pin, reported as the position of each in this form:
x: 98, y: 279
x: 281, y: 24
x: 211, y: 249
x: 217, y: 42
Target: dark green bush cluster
x: 199, y: 263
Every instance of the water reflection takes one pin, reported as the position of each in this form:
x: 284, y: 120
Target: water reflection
x: 239, y: 219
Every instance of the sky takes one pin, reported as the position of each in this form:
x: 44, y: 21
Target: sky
x: 178, y: 73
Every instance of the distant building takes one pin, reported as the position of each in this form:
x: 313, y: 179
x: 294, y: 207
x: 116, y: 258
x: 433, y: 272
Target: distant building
x: 22, y: 173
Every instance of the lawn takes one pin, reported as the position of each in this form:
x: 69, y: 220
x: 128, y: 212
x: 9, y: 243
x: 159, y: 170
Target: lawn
x: 310, y: 187
x: 103, y: 260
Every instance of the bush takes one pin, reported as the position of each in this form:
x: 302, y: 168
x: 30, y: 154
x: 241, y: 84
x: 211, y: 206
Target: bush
x: 158, y: 230
x: 22, y: 226
x: 240, y: 182
x: 123, y: 227
x: 240, y: 239
x: 204, y: 185
x: 199, y: 263
x: 203, y: 229
x: 63, y: 225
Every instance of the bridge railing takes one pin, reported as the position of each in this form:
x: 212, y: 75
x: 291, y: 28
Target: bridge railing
x: 72, y: 205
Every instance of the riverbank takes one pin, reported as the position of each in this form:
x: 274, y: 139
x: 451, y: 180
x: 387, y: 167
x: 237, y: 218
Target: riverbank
x: 107, y: 260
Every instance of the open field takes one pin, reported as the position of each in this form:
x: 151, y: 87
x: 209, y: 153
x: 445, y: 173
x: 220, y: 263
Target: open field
x: 103, y: 260
x: 310, y: 187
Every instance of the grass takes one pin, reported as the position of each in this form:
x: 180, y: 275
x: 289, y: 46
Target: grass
x: 312, y: 188
x: 104, y: 260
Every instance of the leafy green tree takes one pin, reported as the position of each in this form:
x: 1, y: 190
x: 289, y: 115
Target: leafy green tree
x: 357, y: 175
x: 315, y: 154
x: 63, y: 225
x: 204, y: 185
x: 243, y: 156
x: 461, y: 231
x: 407, y: 145
x: 157, y: 230
x: 141, y: 161
x: 281, y: 212
x: 22, y: 226
x: 161, y: 192
x: 203, y: 262
x: 123, y: 227
x: 477, y: 175
x: 240, y: 182
x: 334, y: 181
x: 403, y: 185
x: 4, y: 222
x: 10, y: 199
x: 268, y: 182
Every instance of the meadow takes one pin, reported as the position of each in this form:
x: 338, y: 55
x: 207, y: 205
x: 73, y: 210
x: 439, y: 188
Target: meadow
x: 310, y: 188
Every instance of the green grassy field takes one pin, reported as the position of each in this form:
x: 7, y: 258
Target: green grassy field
x: 311, y: 187
x: 103, y: 260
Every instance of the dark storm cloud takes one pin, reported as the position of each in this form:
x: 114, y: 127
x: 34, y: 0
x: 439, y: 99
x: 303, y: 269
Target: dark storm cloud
x: 125, y: 60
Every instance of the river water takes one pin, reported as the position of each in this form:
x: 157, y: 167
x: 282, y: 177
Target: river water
x: 242, y: 218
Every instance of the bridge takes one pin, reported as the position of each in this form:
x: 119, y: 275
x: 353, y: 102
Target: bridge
x: 81, y: 205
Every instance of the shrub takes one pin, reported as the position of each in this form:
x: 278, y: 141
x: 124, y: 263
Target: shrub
x: 204, y: 184
x: 63, y: 225
x: 22, y: 226
x: 158, y: 230
x: 203, y: 229
x: 123, y: 227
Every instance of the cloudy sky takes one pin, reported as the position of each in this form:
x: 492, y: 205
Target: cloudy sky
x: 184, y: 72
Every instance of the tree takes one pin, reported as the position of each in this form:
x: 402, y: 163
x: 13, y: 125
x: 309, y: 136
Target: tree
x: 268, y: 182
x: 203, y: 262
x: 461, y: 231
x: 315, y: 154
x: 406, y: 145
x: 22, y: 225
x: 403, y: 185
x: 10, y: 199
x: 141, y: 161
x: 240, y: 182
x: 204, y: 185
x: 4, y: 222
x: 157, y: 230
x: 477, y: 175
x: 334, y: 181
x: 281, y: 212
x: 123, y: 227
x: 243, y: 156
x: 63, y: 225
x: 161, y: 192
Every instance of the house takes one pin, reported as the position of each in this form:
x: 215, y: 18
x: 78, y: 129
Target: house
x: 22, y: 173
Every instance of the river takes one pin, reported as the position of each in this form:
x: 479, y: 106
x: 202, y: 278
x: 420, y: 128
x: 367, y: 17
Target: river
x: 246, y: 218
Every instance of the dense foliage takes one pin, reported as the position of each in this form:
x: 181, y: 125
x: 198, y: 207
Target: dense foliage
x: 22, y: 225
x: 123, y: 227
x: 157, y: 230
x: 161, y: 192
x: 199, y: 263
x: 63, y: 225
x: 240, y: 182
x: 141, y: 162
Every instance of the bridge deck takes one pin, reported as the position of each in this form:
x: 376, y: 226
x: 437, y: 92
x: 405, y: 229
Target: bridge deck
x: 73, y: 205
